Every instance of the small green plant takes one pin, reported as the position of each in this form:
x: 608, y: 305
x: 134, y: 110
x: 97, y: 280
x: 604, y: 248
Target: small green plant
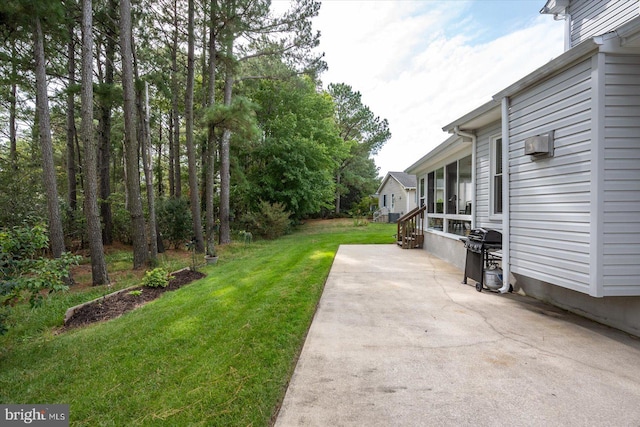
x: 136, y: 293
x: 360, y: 221
x: 156, y: 278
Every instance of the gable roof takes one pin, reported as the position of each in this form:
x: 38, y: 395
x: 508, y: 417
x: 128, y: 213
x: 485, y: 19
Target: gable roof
x: 408, y: 182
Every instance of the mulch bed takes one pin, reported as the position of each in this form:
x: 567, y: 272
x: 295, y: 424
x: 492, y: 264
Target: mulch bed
x: 116, y: 305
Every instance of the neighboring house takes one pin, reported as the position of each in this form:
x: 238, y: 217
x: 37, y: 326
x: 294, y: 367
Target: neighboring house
x: 396, y: 196
x: 569, y: 211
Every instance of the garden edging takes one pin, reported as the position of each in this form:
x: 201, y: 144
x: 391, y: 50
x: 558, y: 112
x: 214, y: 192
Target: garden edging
x: 72, y: 310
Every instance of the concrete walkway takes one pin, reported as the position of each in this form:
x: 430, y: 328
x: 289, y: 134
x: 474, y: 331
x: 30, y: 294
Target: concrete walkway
x: 398, y: 341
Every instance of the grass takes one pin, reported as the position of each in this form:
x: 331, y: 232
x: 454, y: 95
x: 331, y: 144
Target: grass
x: 218, y: 352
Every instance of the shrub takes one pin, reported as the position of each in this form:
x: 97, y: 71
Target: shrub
x: 175, y: 221
x: 24, y: 272
x: 270, y: 221
x: 121, y: 223
x: 156, y: 278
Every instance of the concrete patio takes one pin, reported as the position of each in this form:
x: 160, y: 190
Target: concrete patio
x: 398, y: 341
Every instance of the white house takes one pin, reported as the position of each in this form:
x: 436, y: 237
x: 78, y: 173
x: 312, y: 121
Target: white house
x: 553, y: 162
x: 396, y: 195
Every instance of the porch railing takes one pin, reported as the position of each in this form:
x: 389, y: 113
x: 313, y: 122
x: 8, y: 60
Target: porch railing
x: 410, y: 229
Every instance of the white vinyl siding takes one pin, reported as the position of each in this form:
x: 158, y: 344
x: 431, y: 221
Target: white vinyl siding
x: 398, y: 199
x: 483, y: 177
x: 550, y: 199
x: 591, y: 18
x: 621, y: 247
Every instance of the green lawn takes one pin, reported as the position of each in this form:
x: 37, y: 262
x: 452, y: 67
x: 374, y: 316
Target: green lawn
x: 218, y: 352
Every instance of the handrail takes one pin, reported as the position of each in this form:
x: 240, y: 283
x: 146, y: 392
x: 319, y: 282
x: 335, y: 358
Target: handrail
x: 412, y: 213
x: 410, y: 233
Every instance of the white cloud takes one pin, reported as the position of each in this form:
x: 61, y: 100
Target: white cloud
x: 411, y: 69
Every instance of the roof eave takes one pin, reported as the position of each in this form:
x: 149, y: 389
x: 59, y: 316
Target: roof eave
x: 477, y: 118
x: 555, y: 7
x: 431, y: 154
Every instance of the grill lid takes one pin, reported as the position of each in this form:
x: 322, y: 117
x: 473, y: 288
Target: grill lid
x: 484, y: 235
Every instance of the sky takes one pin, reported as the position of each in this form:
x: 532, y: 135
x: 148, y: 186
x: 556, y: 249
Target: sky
x: 422, y: 64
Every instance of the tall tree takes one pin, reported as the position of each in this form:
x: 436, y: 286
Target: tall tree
x: 194, y: 194
x: 105, y: 106
x: 210, y: 152
x: 299, y: 148
x: 94, y: 230
x: 71, y: 120
x: 148, y: 175
x: 288, y: 37
x: 363, y: 133
x: 56, y: 234
x: 13, y: 98
x: 225, y: 165
x: 174, y: 147
x: 134, y: 202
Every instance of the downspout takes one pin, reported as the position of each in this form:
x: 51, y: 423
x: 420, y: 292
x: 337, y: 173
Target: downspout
x: 458, y: 132
x: 567, y: 25
x: 506, y: 207
x: 567, y: 32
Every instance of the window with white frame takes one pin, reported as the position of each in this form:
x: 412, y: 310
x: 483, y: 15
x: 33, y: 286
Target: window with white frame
x: 496, y: 176
x: 384, y: 200
x: 448, y: 196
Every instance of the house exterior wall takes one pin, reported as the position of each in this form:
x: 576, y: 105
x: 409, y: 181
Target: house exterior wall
x: 401, y: 202
x: 591, y: 18
x: 550, y: 198
x: 621, y: 187
x: 484, y: 219
x: 446, y: 248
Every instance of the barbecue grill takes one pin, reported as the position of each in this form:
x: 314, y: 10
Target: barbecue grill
x: 481, y: 245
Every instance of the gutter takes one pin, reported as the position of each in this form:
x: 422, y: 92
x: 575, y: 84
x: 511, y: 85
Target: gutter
x: 474, y: 140
x: 506, y: 207
x: 567, y: 58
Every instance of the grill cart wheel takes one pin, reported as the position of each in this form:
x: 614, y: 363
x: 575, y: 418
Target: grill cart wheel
x: 478, y: 286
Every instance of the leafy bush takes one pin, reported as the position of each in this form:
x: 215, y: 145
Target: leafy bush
x: 121, y: 223
x: 156, y: 278
x: 175, y: 221
x: 74, y: 224
x: 24, y: 272
x: 270, y: 221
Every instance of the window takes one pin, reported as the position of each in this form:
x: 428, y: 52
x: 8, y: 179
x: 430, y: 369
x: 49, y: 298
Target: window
x: 448, y: 197
x: 384, y: 200
x: 421, y: 201
x: 496, y: 176
x: 431, y: 183
x: 393, y: 201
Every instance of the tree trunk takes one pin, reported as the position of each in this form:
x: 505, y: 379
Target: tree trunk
x: 225, y: 172
x: 56, y: 234
x: 139, y: 235
x: 174, y: 103
x: 148, y: 176
x: 104, y: 158
x: 144, y: 136
x: 194, y: 194
x: 94, y: 230
x: 71, y: 126
x: 13, y: 103
x: 338, y: 175
x: 172, y: 184
x: 211, y: 139
x: 160, y: 177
